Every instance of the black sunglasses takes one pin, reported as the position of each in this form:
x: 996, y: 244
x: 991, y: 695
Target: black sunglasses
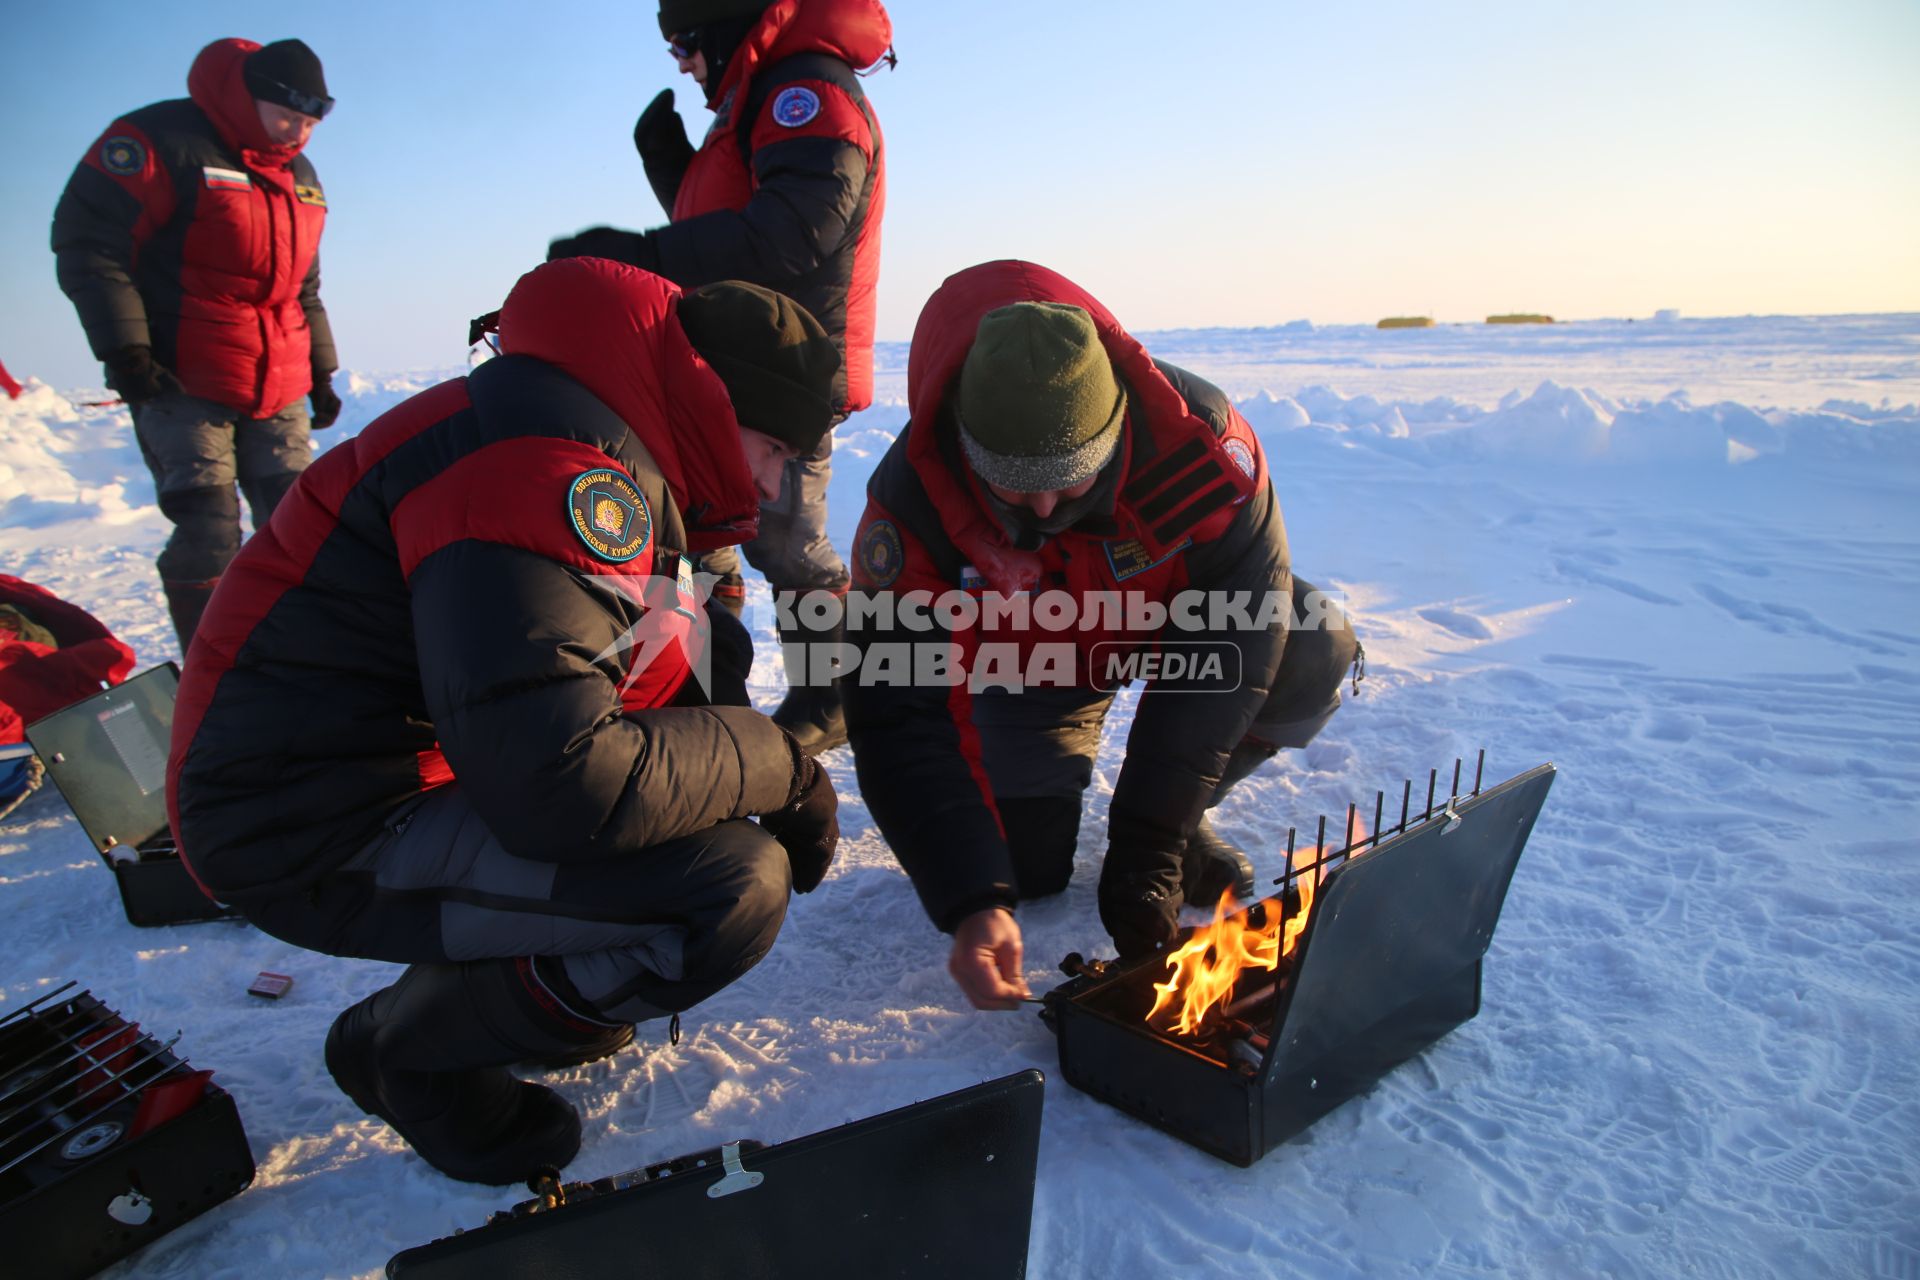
x: 683, y: 46
x: 307, y: 104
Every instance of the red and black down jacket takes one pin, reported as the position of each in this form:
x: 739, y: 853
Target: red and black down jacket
x: 423, y: 608
x: 185, y: 229
x: 789, y: 186
x: 1189, y: 507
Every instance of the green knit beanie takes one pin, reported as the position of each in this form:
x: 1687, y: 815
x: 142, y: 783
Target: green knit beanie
x: 777, y: 362
x: 1039, y: 406
x: 679, y: 16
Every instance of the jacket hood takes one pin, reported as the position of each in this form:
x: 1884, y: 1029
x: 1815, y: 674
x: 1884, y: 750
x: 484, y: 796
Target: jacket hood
x: 612, y: 328
x: 941, y: 339
x: 218, y: 88
x: 858, y: 32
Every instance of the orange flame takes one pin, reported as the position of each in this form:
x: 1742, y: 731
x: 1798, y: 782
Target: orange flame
x: 1203, y: 971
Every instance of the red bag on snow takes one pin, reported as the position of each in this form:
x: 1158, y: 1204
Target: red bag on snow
x: 38, y: 679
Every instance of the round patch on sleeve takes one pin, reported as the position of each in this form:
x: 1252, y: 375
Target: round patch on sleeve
x: 881, y: 557
x: 795, y: 106
x: 1242, y: 454
x: 123, y: 156
x: 609, y: 514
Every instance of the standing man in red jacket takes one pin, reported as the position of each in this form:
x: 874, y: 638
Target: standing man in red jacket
x: 188, y: 239
x: 786, y: 190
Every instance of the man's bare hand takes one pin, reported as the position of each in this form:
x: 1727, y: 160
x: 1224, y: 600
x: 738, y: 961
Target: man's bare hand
x: 986, y: 959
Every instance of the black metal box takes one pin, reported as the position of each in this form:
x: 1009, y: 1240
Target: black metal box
x: 940, y: 1190
x: 1389, y: 962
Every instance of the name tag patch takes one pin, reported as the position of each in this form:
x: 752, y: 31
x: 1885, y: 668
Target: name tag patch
x: 1130, y: 557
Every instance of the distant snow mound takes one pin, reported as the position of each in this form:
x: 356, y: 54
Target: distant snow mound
x: 1666, y: 315
x: 1554, y: 424
x: 60, y: 463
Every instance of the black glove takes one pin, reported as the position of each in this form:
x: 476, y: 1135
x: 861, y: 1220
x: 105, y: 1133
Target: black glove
x: 808, y: 827
x: 1139, y: 898
x: 660, y: 136
x: 326, y: 401
x: 608, y: 242
x: 132, y: 372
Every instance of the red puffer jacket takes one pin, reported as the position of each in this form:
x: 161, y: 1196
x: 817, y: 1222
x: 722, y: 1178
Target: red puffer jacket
x: 185, y: 229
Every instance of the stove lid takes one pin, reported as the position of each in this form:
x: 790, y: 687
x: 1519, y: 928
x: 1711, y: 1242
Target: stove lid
x: 108, y: 756
x: 1403, y: 918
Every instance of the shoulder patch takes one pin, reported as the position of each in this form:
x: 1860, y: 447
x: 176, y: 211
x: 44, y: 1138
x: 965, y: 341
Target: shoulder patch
x: 609, y: 514
x: 226, y: 179
x: 1242, y: 454
x: 309, y: 195
x: 880, y: 553
x: 795, y: 106
x: 123, y: 156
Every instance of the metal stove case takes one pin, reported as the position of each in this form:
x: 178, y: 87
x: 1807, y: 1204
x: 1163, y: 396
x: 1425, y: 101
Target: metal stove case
x: 1389, y: 963
x: 108, y: 756
x: 107, y: 1139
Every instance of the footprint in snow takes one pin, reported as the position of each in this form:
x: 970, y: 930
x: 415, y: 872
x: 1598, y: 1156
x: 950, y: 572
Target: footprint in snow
x: 1464, y: 625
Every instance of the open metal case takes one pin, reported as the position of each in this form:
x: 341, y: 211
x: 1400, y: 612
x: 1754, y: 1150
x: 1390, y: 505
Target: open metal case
x: 1390, y: 961
x: 940, y: 1190
x: 108, y: 756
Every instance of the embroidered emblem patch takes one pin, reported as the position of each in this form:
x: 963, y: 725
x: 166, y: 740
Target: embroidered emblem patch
x: 971, y: 579
x: 226, y: 179
x: 609, y: 514
x: 1130, y: 557
x: 1242, y: 454
x: 122, y: 156
x: 795, y: 106
x: 881, y: 556
x: 309, y: 195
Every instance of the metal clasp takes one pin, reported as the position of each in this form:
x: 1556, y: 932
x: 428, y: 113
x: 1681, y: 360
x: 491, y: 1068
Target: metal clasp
x: 738, y: 1178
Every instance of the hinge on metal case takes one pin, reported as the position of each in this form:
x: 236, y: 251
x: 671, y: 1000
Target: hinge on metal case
x: 738, y: 1178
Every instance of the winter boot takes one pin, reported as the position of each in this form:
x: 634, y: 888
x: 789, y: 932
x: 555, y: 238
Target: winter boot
x: 186, y: 601
x: 428, y: 1056
x: 1212, y: 865
x: 812, y: 713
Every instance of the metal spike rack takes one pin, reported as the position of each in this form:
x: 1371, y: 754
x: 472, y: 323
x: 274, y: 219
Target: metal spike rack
x: 107, y: 1137
x: 1389, y: 960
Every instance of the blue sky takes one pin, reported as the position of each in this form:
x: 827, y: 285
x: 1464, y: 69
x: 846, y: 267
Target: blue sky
x: 1230, y: 163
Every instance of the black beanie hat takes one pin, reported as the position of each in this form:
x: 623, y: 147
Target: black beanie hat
x: 777, y: 362
x: 287, y: 74
x: 679, y: 16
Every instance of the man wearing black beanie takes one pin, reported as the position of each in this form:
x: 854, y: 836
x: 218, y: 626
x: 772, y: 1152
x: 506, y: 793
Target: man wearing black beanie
x: 188, y: 240
x: 787, y: 190
x: 508, y: 773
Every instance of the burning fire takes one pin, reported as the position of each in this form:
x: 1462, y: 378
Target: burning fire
x: 1203, y: 972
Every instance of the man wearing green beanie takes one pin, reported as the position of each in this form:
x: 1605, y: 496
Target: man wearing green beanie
x: 1080, y: 515
x: 787, y: 190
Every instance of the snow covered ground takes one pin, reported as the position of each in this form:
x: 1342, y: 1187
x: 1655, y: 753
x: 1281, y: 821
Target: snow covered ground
x: 1678, y: 559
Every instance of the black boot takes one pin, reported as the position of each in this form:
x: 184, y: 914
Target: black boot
x: 1212, y: 865
x: 428, y: 1056
x: 812, y: 713
x: 186, y: 601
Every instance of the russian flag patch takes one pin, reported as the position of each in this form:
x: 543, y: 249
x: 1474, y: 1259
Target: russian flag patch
x: 227, y: 179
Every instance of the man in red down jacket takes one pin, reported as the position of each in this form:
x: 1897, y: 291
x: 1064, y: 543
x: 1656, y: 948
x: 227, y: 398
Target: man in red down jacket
x: 787, y: 189
x: 1051, y: 463
x: 188, y: 239
x: 440, y: 711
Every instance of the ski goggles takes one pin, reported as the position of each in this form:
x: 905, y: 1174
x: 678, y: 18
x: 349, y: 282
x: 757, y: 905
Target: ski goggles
x: 684, y: 45
x: 283, y: 95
